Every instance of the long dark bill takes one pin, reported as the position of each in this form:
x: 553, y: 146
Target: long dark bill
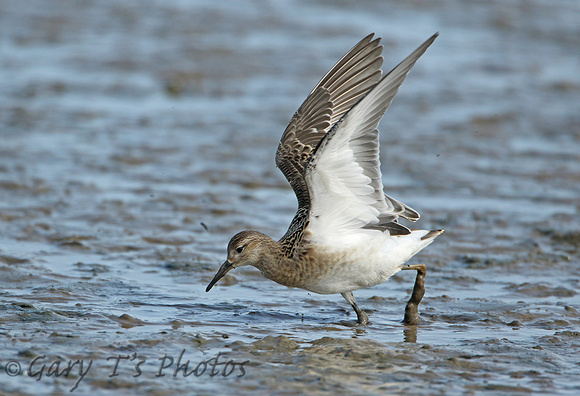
x: 224, y: 269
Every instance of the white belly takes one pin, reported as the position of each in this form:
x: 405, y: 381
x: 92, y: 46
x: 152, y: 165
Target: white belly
x: 365, y: 265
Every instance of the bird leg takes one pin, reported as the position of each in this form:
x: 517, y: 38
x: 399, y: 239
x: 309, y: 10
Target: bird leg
x: 362, y: 317
x: 412, y: 307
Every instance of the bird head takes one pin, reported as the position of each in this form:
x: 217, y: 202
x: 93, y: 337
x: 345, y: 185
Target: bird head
x: 245, y: 248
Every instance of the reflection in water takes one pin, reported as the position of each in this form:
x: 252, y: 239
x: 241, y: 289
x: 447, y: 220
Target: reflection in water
x: 410, y: 333
x: 136, y: 138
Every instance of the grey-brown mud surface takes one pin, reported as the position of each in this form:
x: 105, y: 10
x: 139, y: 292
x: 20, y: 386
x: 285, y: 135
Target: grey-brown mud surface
x: 137, y: 136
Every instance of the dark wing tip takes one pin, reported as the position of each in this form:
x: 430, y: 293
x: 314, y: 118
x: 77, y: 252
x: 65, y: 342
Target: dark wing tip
x: 432, y: 234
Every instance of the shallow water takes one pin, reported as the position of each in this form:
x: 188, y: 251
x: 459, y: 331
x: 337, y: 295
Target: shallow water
x: 137, y: 137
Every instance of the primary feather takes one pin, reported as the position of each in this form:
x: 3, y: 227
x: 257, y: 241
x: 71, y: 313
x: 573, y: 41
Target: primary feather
x: 329, y: 153
x: 343, y: 175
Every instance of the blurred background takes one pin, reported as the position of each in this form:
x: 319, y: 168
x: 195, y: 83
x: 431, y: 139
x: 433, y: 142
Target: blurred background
x: 137, y: 137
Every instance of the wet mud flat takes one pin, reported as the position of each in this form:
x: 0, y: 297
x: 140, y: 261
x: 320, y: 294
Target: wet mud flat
x: 137, y: 137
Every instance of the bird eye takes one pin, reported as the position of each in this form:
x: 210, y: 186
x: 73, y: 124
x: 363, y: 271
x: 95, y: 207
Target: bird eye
x: 239, y: 249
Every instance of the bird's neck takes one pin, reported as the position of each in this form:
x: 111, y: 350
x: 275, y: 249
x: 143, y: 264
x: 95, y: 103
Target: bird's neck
x: 287, y: 271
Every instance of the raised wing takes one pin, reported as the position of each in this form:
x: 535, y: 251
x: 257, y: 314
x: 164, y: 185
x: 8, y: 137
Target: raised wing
x: 344, y: 176
x: 352, y: 77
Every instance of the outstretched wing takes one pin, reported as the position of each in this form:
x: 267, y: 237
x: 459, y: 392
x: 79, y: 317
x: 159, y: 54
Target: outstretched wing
x: 344, y: 176
x: 352, y: 77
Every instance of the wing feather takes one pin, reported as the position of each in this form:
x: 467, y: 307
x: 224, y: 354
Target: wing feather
x: 343, y: 175
x: 346, y: 82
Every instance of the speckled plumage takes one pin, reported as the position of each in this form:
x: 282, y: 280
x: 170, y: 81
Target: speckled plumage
x: 345, y: 234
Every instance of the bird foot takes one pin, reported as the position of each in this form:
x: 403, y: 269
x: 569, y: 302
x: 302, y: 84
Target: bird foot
x: 362, y: 318
x: 412, y: 307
